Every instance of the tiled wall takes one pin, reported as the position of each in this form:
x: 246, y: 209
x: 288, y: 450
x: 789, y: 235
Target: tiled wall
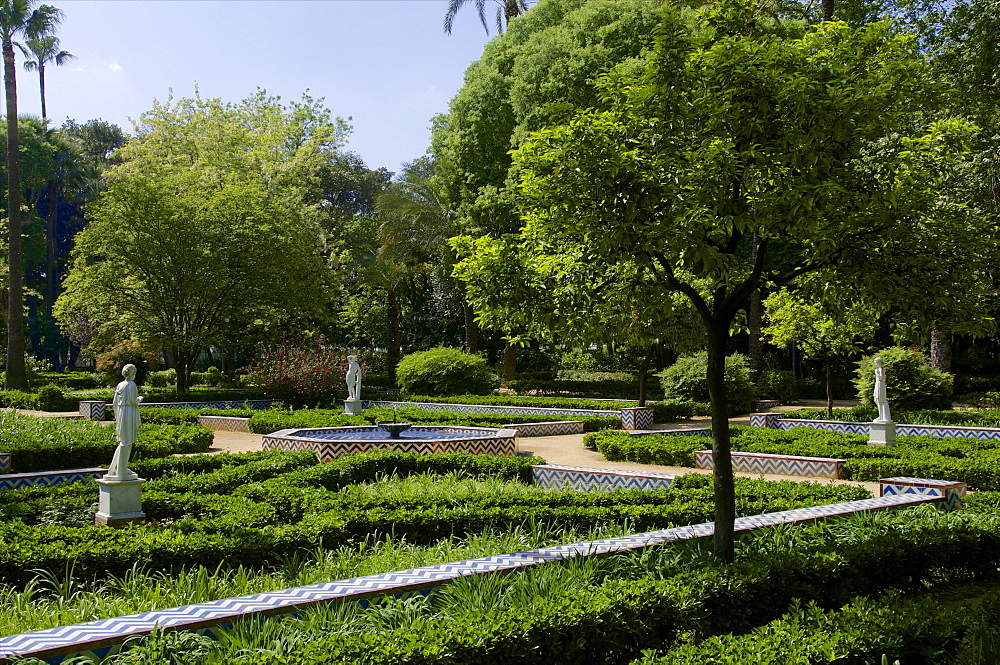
x: 4, y: 462
x: 96, y: 636
x: 15, y: 481
x: 92, y: 409
x: 637, y: 417
x: 775, y: 421
x: 224, y: 423
x: 950, y: 490
x: 481, y: 441
x: 547, y: 429
x: 555, y: 476
x: 779, y: 465
x: 694, y: 431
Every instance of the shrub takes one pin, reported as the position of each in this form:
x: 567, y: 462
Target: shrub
x: 911, y: 382
x: 50, y: 398
x: 444, y: 371
x: 164, y: 379
x: 303, y: 372
x: 777, y: 384
x: 112, y: 360
x: 685, y: 380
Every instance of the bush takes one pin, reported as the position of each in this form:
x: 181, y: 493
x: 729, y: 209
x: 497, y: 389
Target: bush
x: 50, y: 398
x: 305, y: 372
x: 444, y: 371
x: 777, y: 384
x: 911, y: 382
x: 685, y: 380
x: 111, y: 361
x: 164, y: 379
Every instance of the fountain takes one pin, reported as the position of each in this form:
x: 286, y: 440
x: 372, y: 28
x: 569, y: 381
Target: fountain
x: 332, y: 442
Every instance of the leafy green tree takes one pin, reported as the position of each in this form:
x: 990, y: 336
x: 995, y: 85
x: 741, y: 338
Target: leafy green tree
x: 206, y: 228
x: 18, y: 18
x: 45, y: 50
x: 506, y: 11
x: 818, y: 332
x: 733, y: 147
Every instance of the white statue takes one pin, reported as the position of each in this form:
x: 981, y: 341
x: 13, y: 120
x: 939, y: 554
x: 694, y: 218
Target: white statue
x: 881, y: 401
x: 353, y: 379
x: 126, y: 406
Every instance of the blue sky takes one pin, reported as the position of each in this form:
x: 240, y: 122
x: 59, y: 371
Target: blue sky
x: 385, y: 63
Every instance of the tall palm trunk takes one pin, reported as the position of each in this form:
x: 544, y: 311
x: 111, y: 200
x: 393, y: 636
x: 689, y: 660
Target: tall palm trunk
x: 391, y: 334
x: 16, y: 378
x: 51, y: 278
x: 41, y: 86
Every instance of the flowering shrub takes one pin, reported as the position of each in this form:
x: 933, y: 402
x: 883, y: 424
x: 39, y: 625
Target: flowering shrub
x: 111, y: 361
x: 310, y: 372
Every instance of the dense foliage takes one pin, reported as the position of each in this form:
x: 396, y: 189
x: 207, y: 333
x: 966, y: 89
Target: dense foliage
x: 445, y: 371
x: 686, y: 380
x: 911, y: 382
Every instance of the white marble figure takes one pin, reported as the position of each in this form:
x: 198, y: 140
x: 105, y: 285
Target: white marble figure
x: 881, y: 401
x: 353, y: 379
x: 126, y: 406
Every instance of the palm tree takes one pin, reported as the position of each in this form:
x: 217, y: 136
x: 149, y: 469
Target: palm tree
x: 506, y: 10
x: 18, y: 18
x: 45, y: 49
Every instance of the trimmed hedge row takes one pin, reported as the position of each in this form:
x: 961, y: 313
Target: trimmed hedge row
x: 49, y: 444
x: 861, y: 414
x: 663, y: 412
x: 254, y: 513
x: 617, y: 620
x: 974, y: 462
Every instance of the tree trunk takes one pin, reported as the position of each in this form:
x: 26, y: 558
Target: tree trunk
x: 41, y: 85
x: 644, y: 373
x: 471, y: 330
x: 182, y: 363
x: 51, y: 271
x: 391, y: 334
x: 725, y: 492
x: 827, y: 365
x: 754, y: 325
x: 16, y: 377
x: 940, y: 351
x: 509, y: 362
x: 827, y: 7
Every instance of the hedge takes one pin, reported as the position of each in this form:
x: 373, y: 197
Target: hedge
x: 617, y: 620
x: 49, y: 444
x: 255, y: 512
x: 663, y: 412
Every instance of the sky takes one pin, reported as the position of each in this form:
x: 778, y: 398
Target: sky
x: 386, y: 64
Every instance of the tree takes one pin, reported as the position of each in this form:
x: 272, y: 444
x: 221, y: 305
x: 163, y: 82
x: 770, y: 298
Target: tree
x: 506, y: 11
x: 738, y: 158
x: 45, y: 49
x: 18, y: 18
x: 205, y: 230
x: 817, y: 332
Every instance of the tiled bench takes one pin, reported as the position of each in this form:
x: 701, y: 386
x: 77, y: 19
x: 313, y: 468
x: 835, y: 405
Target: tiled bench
x: 951, y: 491
x: 98, y: 638
x: 781, y: 465
x: 14, y: 481
x: 555, y: 476
x: 547, y: 429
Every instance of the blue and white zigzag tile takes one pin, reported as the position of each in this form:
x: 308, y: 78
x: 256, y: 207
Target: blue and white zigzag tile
x: 557, y: 477
x: 692, y: 431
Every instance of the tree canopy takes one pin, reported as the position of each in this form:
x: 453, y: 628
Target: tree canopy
x: 207, y: 233
x: 737, y: 157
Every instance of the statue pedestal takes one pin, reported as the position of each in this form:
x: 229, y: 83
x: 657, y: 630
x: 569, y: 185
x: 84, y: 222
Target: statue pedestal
x: 352, y: 407
x: 882, y: 434
x: 120, y: 502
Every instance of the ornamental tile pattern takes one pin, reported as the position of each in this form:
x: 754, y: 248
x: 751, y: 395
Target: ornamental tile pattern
x: 323, y: 441
x: 4, y: 462
x: 554, y: 476
x: 773, y: 421
x: 221, y: 404
x: 780, y: 465
x: 547, y: 429
x: 95, y: 636
x: 224, y: 423
x: 637, y: 417
x: 92, y: 409
x: 15, y: 481
x: 952, y: 491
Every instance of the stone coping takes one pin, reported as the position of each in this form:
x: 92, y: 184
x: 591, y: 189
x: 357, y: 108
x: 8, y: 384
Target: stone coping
x: 87, y: 637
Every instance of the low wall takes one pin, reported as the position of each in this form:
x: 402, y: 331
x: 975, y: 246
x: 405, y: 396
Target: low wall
x: 775, y: 421
x: 98, y: 638
x: 224, y: 423
x: 556, y: 476
x: 14, y: 481
x: 779, y: 465
x: 491, y: 409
